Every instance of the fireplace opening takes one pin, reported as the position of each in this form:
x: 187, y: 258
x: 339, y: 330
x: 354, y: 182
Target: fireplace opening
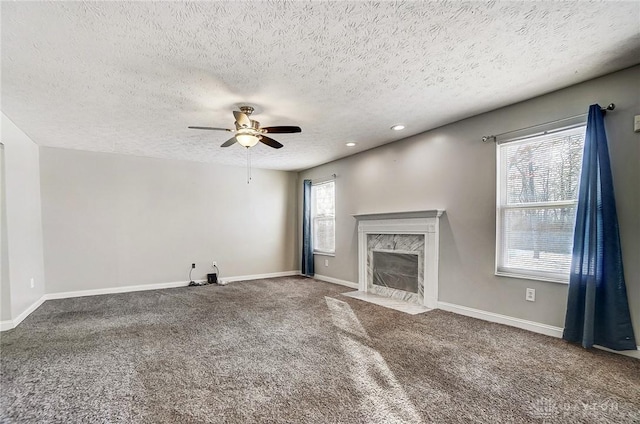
x: 395, y: 269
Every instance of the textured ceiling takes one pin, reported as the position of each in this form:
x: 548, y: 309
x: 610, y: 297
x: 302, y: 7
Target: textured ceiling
x: 129, y: 77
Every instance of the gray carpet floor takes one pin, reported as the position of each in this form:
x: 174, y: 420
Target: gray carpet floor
x: 293, y: 350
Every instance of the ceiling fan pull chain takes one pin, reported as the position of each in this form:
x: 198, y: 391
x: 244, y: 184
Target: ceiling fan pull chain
x: 248, y: 165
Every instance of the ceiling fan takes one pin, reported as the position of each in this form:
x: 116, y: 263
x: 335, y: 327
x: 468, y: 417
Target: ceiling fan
x: 249, y: 133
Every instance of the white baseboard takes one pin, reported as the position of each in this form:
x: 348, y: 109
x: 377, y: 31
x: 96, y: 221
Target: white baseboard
x: 112, y: 290
x: 159, y: 286
x: 261, y: 276
x: 13, y: 323
x: 631, y: 353
x: 536, y: 327
x: 336, y: 281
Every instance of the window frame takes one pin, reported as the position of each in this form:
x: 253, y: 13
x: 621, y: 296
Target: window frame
x: 502, y: 207
x: 315, y: 217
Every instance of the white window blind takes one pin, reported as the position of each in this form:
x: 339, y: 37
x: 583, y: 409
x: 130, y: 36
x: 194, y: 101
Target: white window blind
x: 323, y: 207
x: 538, y: 180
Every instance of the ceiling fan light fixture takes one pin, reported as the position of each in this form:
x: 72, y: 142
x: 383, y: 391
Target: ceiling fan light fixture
x: 397, y: 127
x: 247, y: 140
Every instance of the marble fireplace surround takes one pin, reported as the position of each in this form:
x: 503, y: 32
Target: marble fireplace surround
x: 421, y: 223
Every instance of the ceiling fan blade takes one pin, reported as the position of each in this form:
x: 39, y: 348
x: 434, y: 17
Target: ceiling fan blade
x: 270, y: 142
x: 283, y: 129
x: 229, y: 142
x: 242, y: 119
x: 209, y: 128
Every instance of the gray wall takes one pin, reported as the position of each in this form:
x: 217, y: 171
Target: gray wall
x: 112, y: 220
x: 23, y: 221
x: 450, y: 168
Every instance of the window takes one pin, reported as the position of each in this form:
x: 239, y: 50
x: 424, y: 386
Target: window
x: 323, y: 209
x: 538, y: 180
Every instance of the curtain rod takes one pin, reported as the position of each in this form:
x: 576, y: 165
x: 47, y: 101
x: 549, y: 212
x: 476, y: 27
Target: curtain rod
x: 494, y: 137
x: 321, y: 179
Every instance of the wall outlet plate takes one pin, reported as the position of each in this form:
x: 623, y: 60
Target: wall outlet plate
x: 530, y: 295
x: 214, y: 263
x: 33, y: 283
x: 636, y: 123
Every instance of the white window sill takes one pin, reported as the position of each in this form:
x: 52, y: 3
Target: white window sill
x: 548, y: 279
x: 325, y: 254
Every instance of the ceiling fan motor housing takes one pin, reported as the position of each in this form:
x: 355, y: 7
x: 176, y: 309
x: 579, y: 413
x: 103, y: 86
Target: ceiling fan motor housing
x: 247, y: 110
x: 255, y: 126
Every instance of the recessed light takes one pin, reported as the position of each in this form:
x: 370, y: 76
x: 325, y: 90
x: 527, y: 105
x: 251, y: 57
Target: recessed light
x: 397, y: 127
x: 351, y: 144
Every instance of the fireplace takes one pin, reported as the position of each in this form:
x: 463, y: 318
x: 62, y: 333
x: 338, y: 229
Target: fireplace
x: 398, y: 256
x: 395, y: 269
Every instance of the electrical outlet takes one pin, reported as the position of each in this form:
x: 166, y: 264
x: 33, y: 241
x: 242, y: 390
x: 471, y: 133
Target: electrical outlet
x: 214, y: 263
x: 531, y: 295
x: 193, y: 265
x: 326, y: 262
x: 33, y: 283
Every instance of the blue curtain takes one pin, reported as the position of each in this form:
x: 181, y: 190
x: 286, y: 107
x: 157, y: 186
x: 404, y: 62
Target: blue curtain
x: 597, y: 309
x: 307, y: 244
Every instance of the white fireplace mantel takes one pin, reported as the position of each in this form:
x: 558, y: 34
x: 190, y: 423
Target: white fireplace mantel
x: 437, y: 213
x: 424, y: 223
